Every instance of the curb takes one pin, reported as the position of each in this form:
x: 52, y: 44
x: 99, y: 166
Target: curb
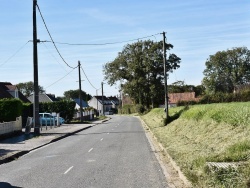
x: 21, y: 153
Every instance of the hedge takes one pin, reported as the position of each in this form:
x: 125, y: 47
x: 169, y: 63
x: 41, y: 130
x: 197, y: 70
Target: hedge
x: 10, y: 109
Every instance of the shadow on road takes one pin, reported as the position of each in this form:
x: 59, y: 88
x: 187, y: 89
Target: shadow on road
x: 7, y: 185
x: 17, y: 139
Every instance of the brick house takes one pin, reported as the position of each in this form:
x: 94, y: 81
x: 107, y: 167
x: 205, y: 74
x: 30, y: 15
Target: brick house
x: 174, y: 98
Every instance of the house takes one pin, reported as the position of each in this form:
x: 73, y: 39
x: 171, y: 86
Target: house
x: 7, y: 90
x: 43, y: 97
x: 115, y: 102
x: 84, y: 104
x: 126, y: 100
x: 99, y: 103
x: 242, y: 87
x: 174, y: 98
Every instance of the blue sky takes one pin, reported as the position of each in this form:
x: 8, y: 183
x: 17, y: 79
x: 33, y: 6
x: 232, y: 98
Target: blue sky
x: 196, y: 28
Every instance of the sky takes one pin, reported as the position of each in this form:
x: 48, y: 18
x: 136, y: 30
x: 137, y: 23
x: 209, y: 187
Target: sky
x: 196, y: 28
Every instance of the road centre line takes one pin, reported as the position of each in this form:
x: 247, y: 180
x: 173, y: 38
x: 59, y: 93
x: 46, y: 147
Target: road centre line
x: 90, y: 149
x: 68, y: 170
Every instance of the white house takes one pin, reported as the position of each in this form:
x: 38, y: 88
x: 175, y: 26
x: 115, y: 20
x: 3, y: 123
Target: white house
x: 99, y: 103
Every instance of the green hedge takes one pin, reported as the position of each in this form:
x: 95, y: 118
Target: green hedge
x: 10, y: 109
x: 65, y: 108
x: 130, y: 109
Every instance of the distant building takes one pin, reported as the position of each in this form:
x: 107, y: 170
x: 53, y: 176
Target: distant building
x: 43, y: 97
x: 115, y: 102
x: 126, y: 100
x: 7, y: 90
x: 174, y: 98
x: 97, y: 103
x: 242, y: 87
x: 84, y: 104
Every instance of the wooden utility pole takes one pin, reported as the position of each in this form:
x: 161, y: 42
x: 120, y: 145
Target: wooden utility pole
x: 165, y: 74
x: 35, y: 71
x: 80, y: 90
x: 102, y: 101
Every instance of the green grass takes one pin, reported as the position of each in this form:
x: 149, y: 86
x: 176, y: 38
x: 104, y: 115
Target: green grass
x: 204, y: 133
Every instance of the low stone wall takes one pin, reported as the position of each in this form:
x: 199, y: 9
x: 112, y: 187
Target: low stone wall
x: 11, y: 127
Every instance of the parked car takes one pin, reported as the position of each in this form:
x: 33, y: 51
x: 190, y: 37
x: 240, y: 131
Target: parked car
x: 110, y: 112
x: 61, y: 120
x: 47, y: 119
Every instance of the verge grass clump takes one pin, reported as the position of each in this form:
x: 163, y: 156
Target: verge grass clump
x: 207, y: 133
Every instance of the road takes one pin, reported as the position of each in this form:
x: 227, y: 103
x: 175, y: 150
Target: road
x: 113, y: 154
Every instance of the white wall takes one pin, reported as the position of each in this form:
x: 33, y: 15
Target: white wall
x: 12, y: 126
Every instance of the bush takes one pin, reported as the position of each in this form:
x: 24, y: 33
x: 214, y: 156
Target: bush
x: 140, y: 109
x: 128, y: 109
x: 65, y: 108
x: 10, y: 109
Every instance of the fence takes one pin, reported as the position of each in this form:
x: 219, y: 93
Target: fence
x: 87, y: 115
x: 11, y: 127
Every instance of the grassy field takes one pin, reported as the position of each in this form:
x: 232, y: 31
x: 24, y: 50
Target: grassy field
x: 207, y: 133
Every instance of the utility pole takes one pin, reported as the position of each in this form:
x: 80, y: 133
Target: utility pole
x: 165, y: 74
x: 35, y: 72
x: 102, y: 101
x: 80, y: 90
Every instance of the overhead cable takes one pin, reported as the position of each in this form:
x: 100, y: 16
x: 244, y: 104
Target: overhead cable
x: 14, y: 54
x: 61, y: 78
x: 87, y: 78
x: 53, y: 40
x: 102, y: 44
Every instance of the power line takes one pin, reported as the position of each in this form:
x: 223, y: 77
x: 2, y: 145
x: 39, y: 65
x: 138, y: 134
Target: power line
x: 102, y: 44
x: 61, y: 78
x: 53, y: 40
x: 14, y: 54
x: 87, y: 78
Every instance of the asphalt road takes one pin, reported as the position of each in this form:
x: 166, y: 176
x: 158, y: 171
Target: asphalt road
x: 113, y: 154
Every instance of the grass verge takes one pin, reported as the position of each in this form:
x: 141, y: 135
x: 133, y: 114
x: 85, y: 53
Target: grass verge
x: 205, y: 133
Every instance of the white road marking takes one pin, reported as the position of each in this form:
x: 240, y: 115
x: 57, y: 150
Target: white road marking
x: 90, y: 149
x: 102, y: 139
x: 90, y: 161
x: 68, y: 170
x: 107, y: 133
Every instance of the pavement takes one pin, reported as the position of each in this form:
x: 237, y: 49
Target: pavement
x: 14, y: 147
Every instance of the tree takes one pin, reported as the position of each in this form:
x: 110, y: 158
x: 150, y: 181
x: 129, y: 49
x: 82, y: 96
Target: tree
x: 226, y: 69
x: 74, y: 94
x: 27, y: 88
x: 181, y: 87
x: 140, y: 66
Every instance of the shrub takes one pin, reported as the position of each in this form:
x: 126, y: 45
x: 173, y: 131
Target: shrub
x: 140, y: 109
x: 65, y: 108
x: 10, y: 109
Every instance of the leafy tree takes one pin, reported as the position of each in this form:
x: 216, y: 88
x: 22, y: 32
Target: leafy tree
x: 226, y: 69
x: 140, y: 66
x: 27, y: 88
x: 74, y: 94
x: 181, y: 87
